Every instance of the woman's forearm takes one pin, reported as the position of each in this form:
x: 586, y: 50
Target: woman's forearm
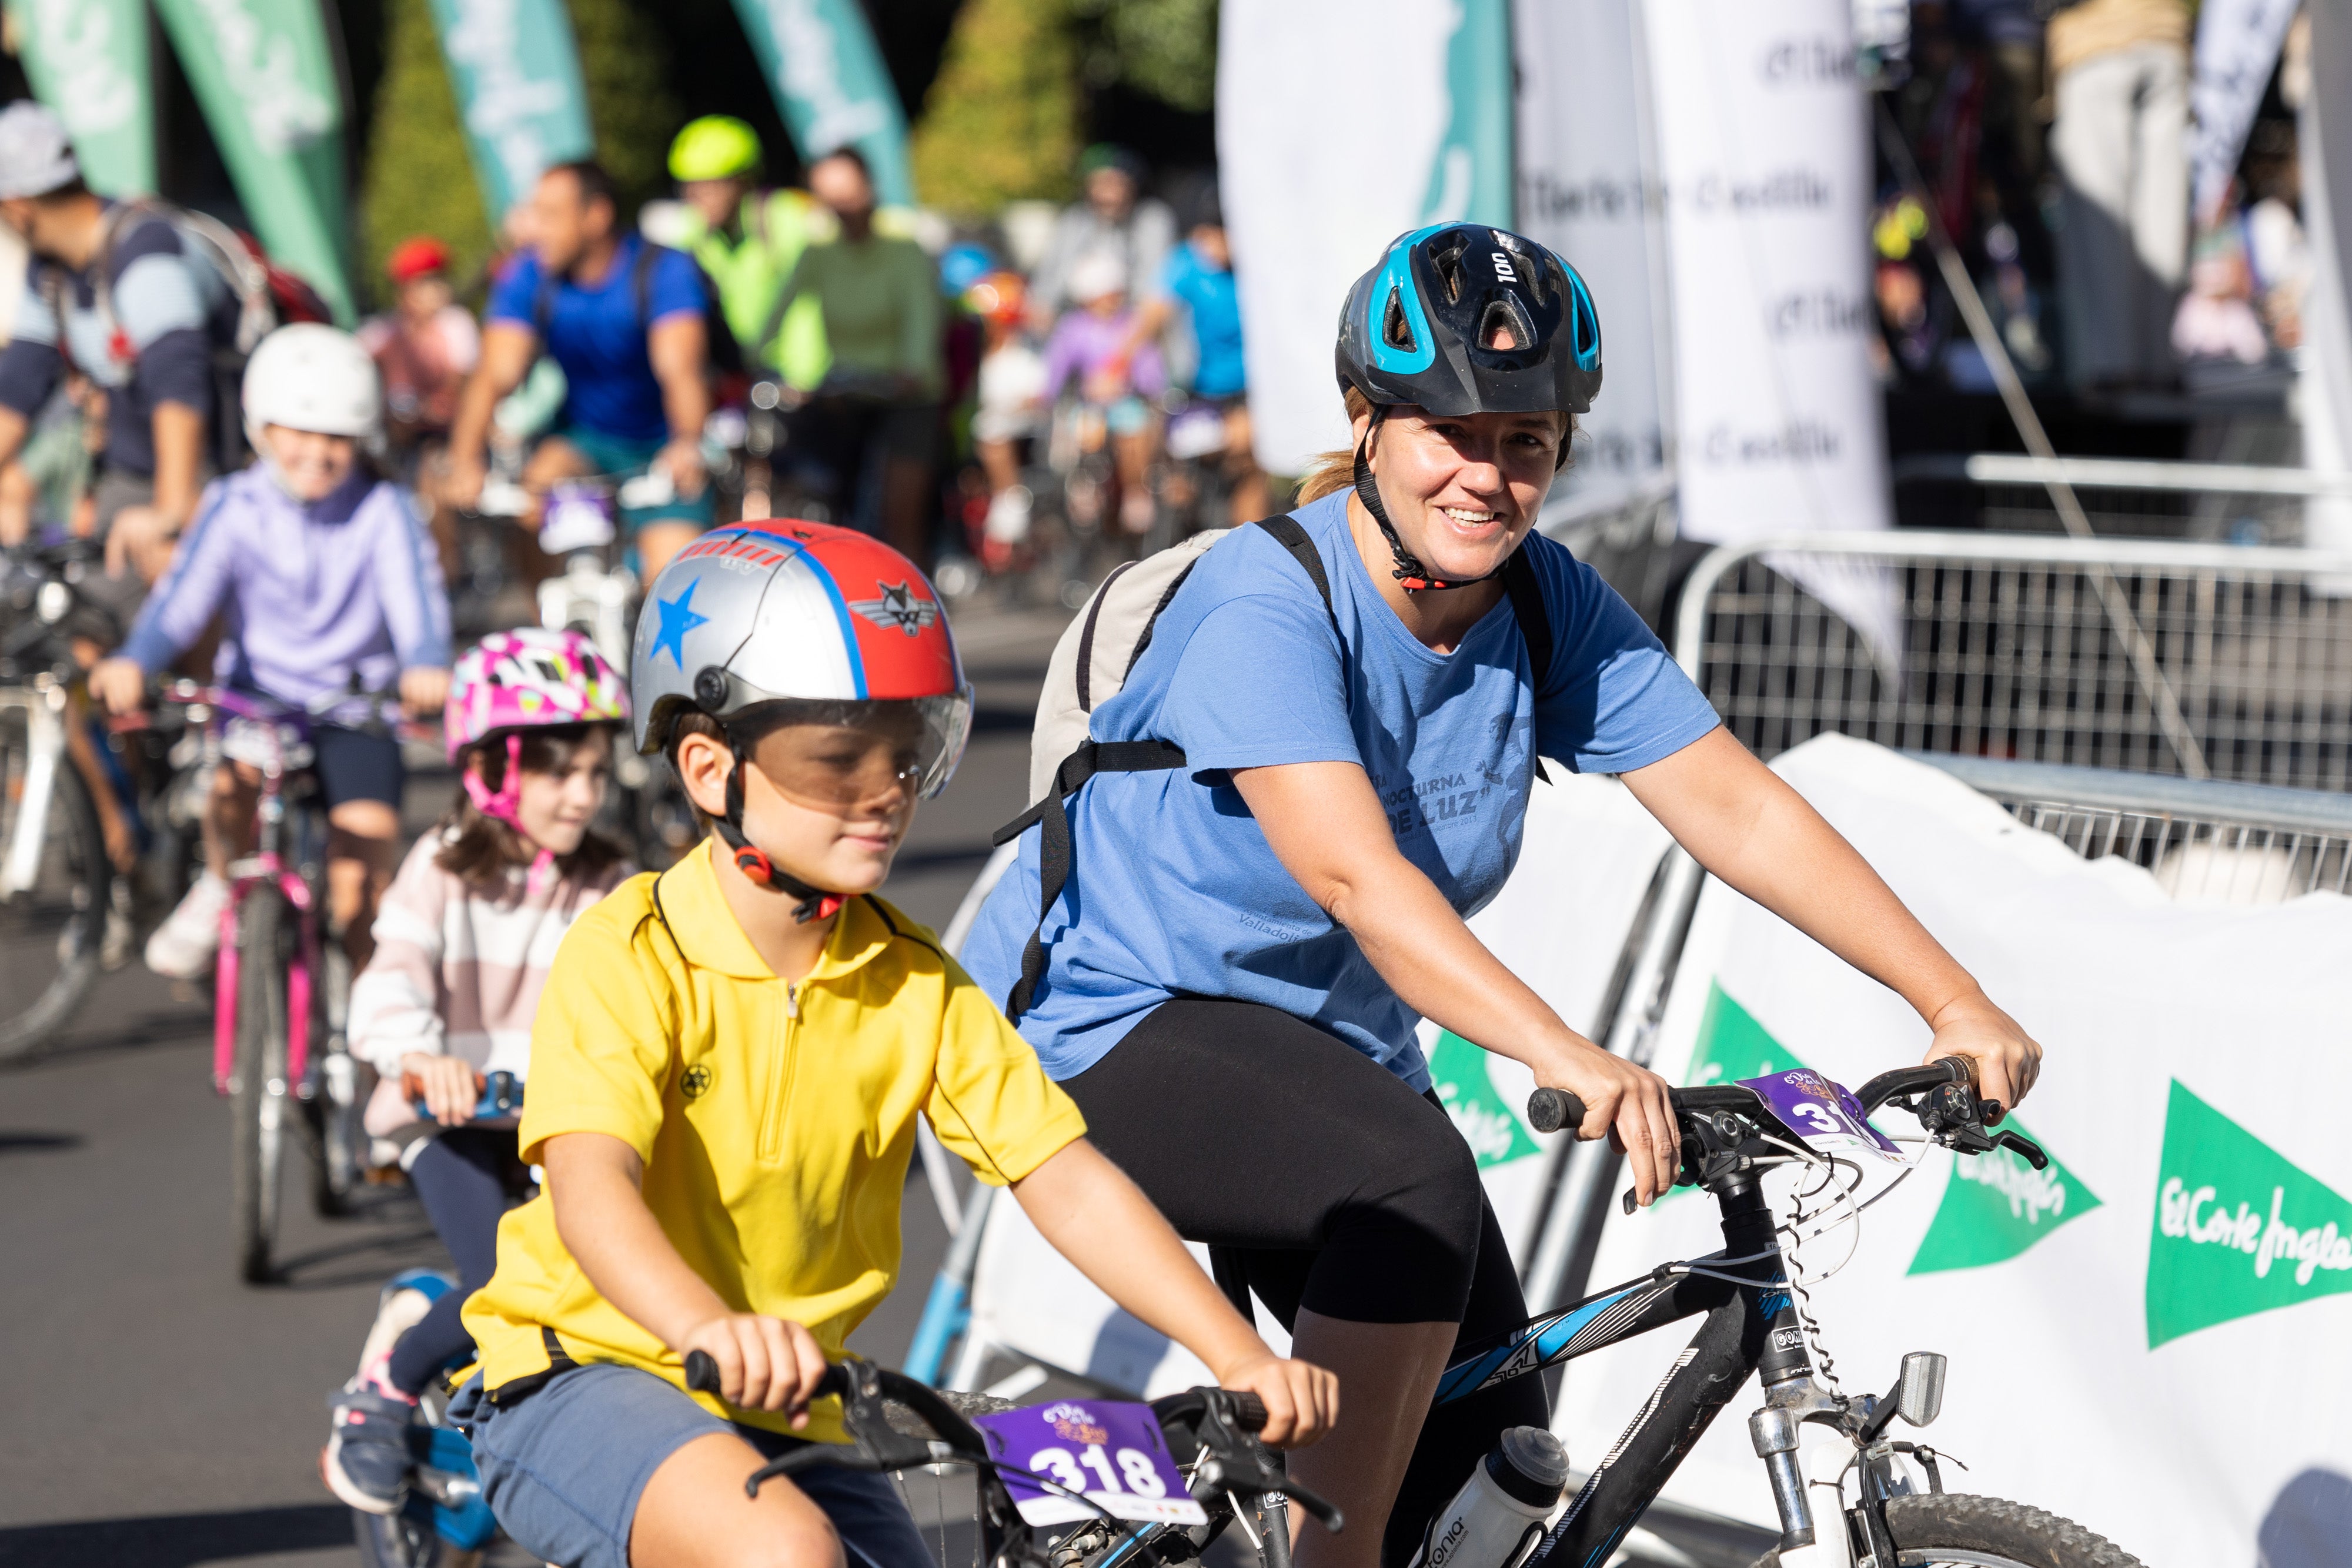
x: 1744, y: 823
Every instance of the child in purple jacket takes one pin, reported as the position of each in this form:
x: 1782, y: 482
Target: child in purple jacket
x: 328, y: 592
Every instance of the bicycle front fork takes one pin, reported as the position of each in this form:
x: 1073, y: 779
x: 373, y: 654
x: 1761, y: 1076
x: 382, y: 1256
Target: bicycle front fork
x: 1809, y: 1442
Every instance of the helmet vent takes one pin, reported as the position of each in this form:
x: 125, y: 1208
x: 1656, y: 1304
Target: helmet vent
x: 1395, y: 331
x: 1504, y: 327
x: 1445, y: 260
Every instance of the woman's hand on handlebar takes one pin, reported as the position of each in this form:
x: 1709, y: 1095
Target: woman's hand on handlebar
x: 1301, y: 1399
x: 119, y: 686
x: 448, y: 1085
x: 764, y: 1363
x: 1630, y: 1105
x: 2008, y: 1060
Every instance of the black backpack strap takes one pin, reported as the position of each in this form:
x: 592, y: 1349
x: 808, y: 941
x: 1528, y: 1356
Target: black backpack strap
x: 1285, y: 530
x: 1526, y: 591
x: 641, y: 281
x: 1091, y: 757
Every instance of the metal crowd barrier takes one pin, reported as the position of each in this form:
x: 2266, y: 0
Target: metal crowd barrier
x: 2147, y: 655
x: 2233, y: 503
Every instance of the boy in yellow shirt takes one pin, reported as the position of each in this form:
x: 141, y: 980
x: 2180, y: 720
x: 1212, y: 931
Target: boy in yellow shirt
x: 725, y: 1072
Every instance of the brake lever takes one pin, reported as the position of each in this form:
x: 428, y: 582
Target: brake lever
x: 2023, y: 1147
x: 1233, y: 1461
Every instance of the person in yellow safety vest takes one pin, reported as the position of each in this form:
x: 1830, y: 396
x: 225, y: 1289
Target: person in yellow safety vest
x: 748, y: 241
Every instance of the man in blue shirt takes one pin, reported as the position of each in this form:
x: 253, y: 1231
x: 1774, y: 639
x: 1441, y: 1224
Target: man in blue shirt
x: 624, y: 319
x: 115, y: 293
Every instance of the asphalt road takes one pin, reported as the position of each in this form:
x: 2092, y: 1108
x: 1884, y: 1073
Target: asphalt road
x: 155, y: 1413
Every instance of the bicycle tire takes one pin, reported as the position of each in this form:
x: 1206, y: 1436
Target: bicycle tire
x: 256, y: 1147
x: 63, y: 914
x: 338, y: 1143
x: 1960, y: 1528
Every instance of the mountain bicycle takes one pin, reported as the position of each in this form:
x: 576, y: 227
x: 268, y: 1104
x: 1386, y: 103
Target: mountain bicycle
x: 272, y: 980
x: 1848, y: 1493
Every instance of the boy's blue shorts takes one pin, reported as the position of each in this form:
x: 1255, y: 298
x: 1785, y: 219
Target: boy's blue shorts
x: 563, y: 1467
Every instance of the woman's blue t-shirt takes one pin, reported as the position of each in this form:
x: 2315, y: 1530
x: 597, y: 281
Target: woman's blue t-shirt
x: 1174, y: 890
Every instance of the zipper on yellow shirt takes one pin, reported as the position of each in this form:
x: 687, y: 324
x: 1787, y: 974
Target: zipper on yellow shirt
x: 772, y: 1119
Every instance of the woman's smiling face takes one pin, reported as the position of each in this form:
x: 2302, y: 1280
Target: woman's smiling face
x: 1463, y: 490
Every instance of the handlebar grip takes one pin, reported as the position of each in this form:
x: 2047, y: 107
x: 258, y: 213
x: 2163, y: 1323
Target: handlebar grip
x: 1550, y: 1110
x: 1249, y: 1411
x: 702, y: 1372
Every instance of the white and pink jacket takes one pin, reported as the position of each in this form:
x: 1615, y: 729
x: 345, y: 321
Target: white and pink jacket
x: 457, y: 971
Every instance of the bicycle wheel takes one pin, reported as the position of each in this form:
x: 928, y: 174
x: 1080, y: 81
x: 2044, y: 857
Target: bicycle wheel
x: 1986, y: 1532
x: 50, y: 934
x: 259, y: 1095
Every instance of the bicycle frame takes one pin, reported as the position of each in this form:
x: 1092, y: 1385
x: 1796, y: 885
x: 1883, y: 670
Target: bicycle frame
x: 269, y: 865
x: 1746, y: 1326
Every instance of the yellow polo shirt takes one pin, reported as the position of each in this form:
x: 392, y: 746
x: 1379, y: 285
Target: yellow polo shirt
x: 775, y: 1122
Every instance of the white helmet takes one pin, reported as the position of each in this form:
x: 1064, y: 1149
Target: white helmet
x: 310, y: 376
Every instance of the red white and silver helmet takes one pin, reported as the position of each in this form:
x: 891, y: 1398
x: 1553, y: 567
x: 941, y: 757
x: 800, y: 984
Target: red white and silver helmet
x: 790, y: 610
x: 758, y: 612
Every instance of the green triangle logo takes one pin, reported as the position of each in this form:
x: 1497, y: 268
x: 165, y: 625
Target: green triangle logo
x: 1732, y: 1045
x: 1457, y: 1070
x: 1996, y: 1205
x: 2239, y: 1229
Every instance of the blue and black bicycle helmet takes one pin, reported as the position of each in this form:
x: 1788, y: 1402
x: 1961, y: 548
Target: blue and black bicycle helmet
x: 1417, y: 329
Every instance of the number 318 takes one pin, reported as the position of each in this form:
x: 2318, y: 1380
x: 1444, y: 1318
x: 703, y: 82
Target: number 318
x: 1143, y: 1476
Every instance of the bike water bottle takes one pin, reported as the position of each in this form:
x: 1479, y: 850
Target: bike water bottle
x: 1498, y: 1517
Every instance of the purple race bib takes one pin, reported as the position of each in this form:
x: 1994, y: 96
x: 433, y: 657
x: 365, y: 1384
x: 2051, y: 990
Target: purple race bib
x: 1823, y: 1113
x: 1110, y: 1451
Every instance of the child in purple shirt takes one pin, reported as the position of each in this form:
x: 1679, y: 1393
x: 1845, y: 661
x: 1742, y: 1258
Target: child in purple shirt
x: 327, y: 586
x: 1090, y: 342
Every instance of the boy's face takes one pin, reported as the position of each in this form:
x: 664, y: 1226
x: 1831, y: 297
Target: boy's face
x: 828, y: 803
x: 313, y: 465
x: 1209, y: 245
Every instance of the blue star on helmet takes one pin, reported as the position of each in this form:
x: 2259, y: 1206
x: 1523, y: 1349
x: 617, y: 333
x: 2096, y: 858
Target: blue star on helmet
x: 677, y: 618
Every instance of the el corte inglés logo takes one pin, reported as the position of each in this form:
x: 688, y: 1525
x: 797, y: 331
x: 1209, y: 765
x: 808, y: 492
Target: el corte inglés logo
x: 2239, y: 1227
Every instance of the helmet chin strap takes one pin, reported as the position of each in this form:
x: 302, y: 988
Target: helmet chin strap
x: 503, y: 806
x: 1410, y: 575
x: 816, y: 904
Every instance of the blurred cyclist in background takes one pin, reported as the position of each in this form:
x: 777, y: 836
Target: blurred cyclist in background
x: 748, y: 241
x: 880, y: 296
x: 1090, y: 346
x: 1116, y: 220
x: 624, y: 319
x: 1199, y: 278
x: 425, y: 348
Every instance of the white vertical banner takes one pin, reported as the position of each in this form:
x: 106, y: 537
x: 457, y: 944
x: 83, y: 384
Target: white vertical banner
x: 1762, y: 145
x: 1330, y: 116
x: 1588, y: 189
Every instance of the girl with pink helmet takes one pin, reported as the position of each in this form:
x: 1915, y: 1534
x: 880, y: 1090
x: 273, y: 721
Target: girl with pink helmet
x: 443, y: 1011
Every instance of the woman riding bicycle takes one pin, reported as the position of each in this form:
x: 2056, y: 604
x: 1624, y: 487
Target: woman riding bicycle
x: 1230, y: 984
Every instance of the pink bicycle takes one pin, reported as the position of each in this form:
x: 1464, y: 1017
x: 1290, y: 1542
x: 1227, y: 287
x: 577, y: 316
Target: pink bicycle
x: 276, y: 1055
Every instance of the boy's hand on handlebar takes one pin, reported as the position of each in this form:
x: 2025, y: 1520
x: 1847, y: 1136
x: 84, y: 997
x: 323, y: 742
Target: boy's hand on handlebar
x: 1627, y: 1104
x: 764, y: 1363
x: 448, y: 1085
x: 2008, y: 1060
x: 119, y: 686
x: 1301, y: 1399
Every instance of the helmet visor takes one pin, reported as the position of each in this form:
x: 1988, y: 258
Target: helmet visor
x: 846, y: 756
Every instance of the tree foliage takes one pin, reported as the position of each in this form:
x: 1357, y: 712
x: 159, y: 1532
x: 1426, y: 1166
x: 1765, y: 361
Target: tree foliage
x: 1165, y: 49
x: 625, y: 64
x: 418, y: 178
x: 1001, y: 122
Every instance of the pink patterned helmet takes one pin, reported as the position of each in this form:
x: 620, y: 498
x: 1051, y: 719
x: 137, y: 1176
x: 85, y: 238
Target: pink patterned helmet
x: 530, y: 677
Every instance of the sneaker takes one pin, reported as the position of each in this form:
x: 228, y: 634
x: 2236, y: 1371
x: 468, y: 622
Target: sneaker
x: 366, y: 1461
x: 184, y: 947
